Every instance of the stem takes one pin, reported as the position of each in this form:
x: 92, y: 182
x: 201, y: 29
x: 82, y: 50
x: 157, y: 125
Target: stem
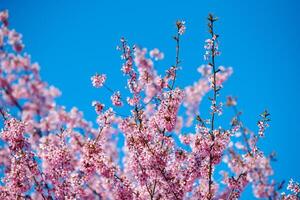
x: 12, y: 98
x: 7, y: 90
x: 94, y: 192
x: 99, y: 134
x: 177, y: 39
x: 2, y: 112
x: 214, y: 103
x: 243, y: 130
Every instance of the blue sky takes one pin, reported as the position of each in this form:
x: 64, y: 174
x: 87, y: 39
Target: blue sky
x: 72, y: 40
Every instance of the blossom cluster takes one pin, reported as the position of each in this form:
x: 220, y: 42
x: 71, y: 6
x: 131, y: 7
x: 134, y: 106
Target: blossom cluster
x: 98, y: 80
x: 49, y: 152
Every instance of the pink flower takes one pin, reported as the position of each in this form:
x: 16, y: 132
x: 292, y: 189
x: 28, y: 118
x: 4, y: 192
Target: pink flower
x: 211, y: 47
x: 13, y: 133
x: 231, y: 101
x: 106, y: 118
x: 4, y: 17
x: 98, y: 80
x: 133, y: 101
x: 15, y: 39
x: 181, y: 27
x: 98, y: 106
x: 167, y: 112
x: 294, y: 187
x: 116, y: 99
x: 156, y: 54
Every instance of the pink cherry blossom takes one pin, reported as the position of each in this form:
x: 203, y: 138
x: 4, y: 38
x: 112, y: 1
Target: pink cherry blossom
x: 116, y: 99
x: 4, y: 17
x: 156, y: 54
x: 98, y: 80
x: 181, y: 27
x: 98, y: 106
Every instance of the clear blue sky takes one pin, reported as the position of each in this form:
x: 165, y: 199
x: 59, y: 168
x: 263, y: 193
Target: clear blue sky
x: 72, y: 40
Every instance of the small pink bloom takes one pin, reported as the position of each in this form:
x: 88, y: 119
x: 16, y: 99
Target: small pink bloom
x: 181, y: 27
x: 116, y: 99
x: 98, y: 80
x: 98, y: 106
x: 156, y: 54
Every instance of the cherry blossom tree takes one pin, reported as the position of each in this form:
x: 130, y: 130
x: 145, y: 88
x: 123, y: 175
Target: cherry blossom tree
x: 48, y: 152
